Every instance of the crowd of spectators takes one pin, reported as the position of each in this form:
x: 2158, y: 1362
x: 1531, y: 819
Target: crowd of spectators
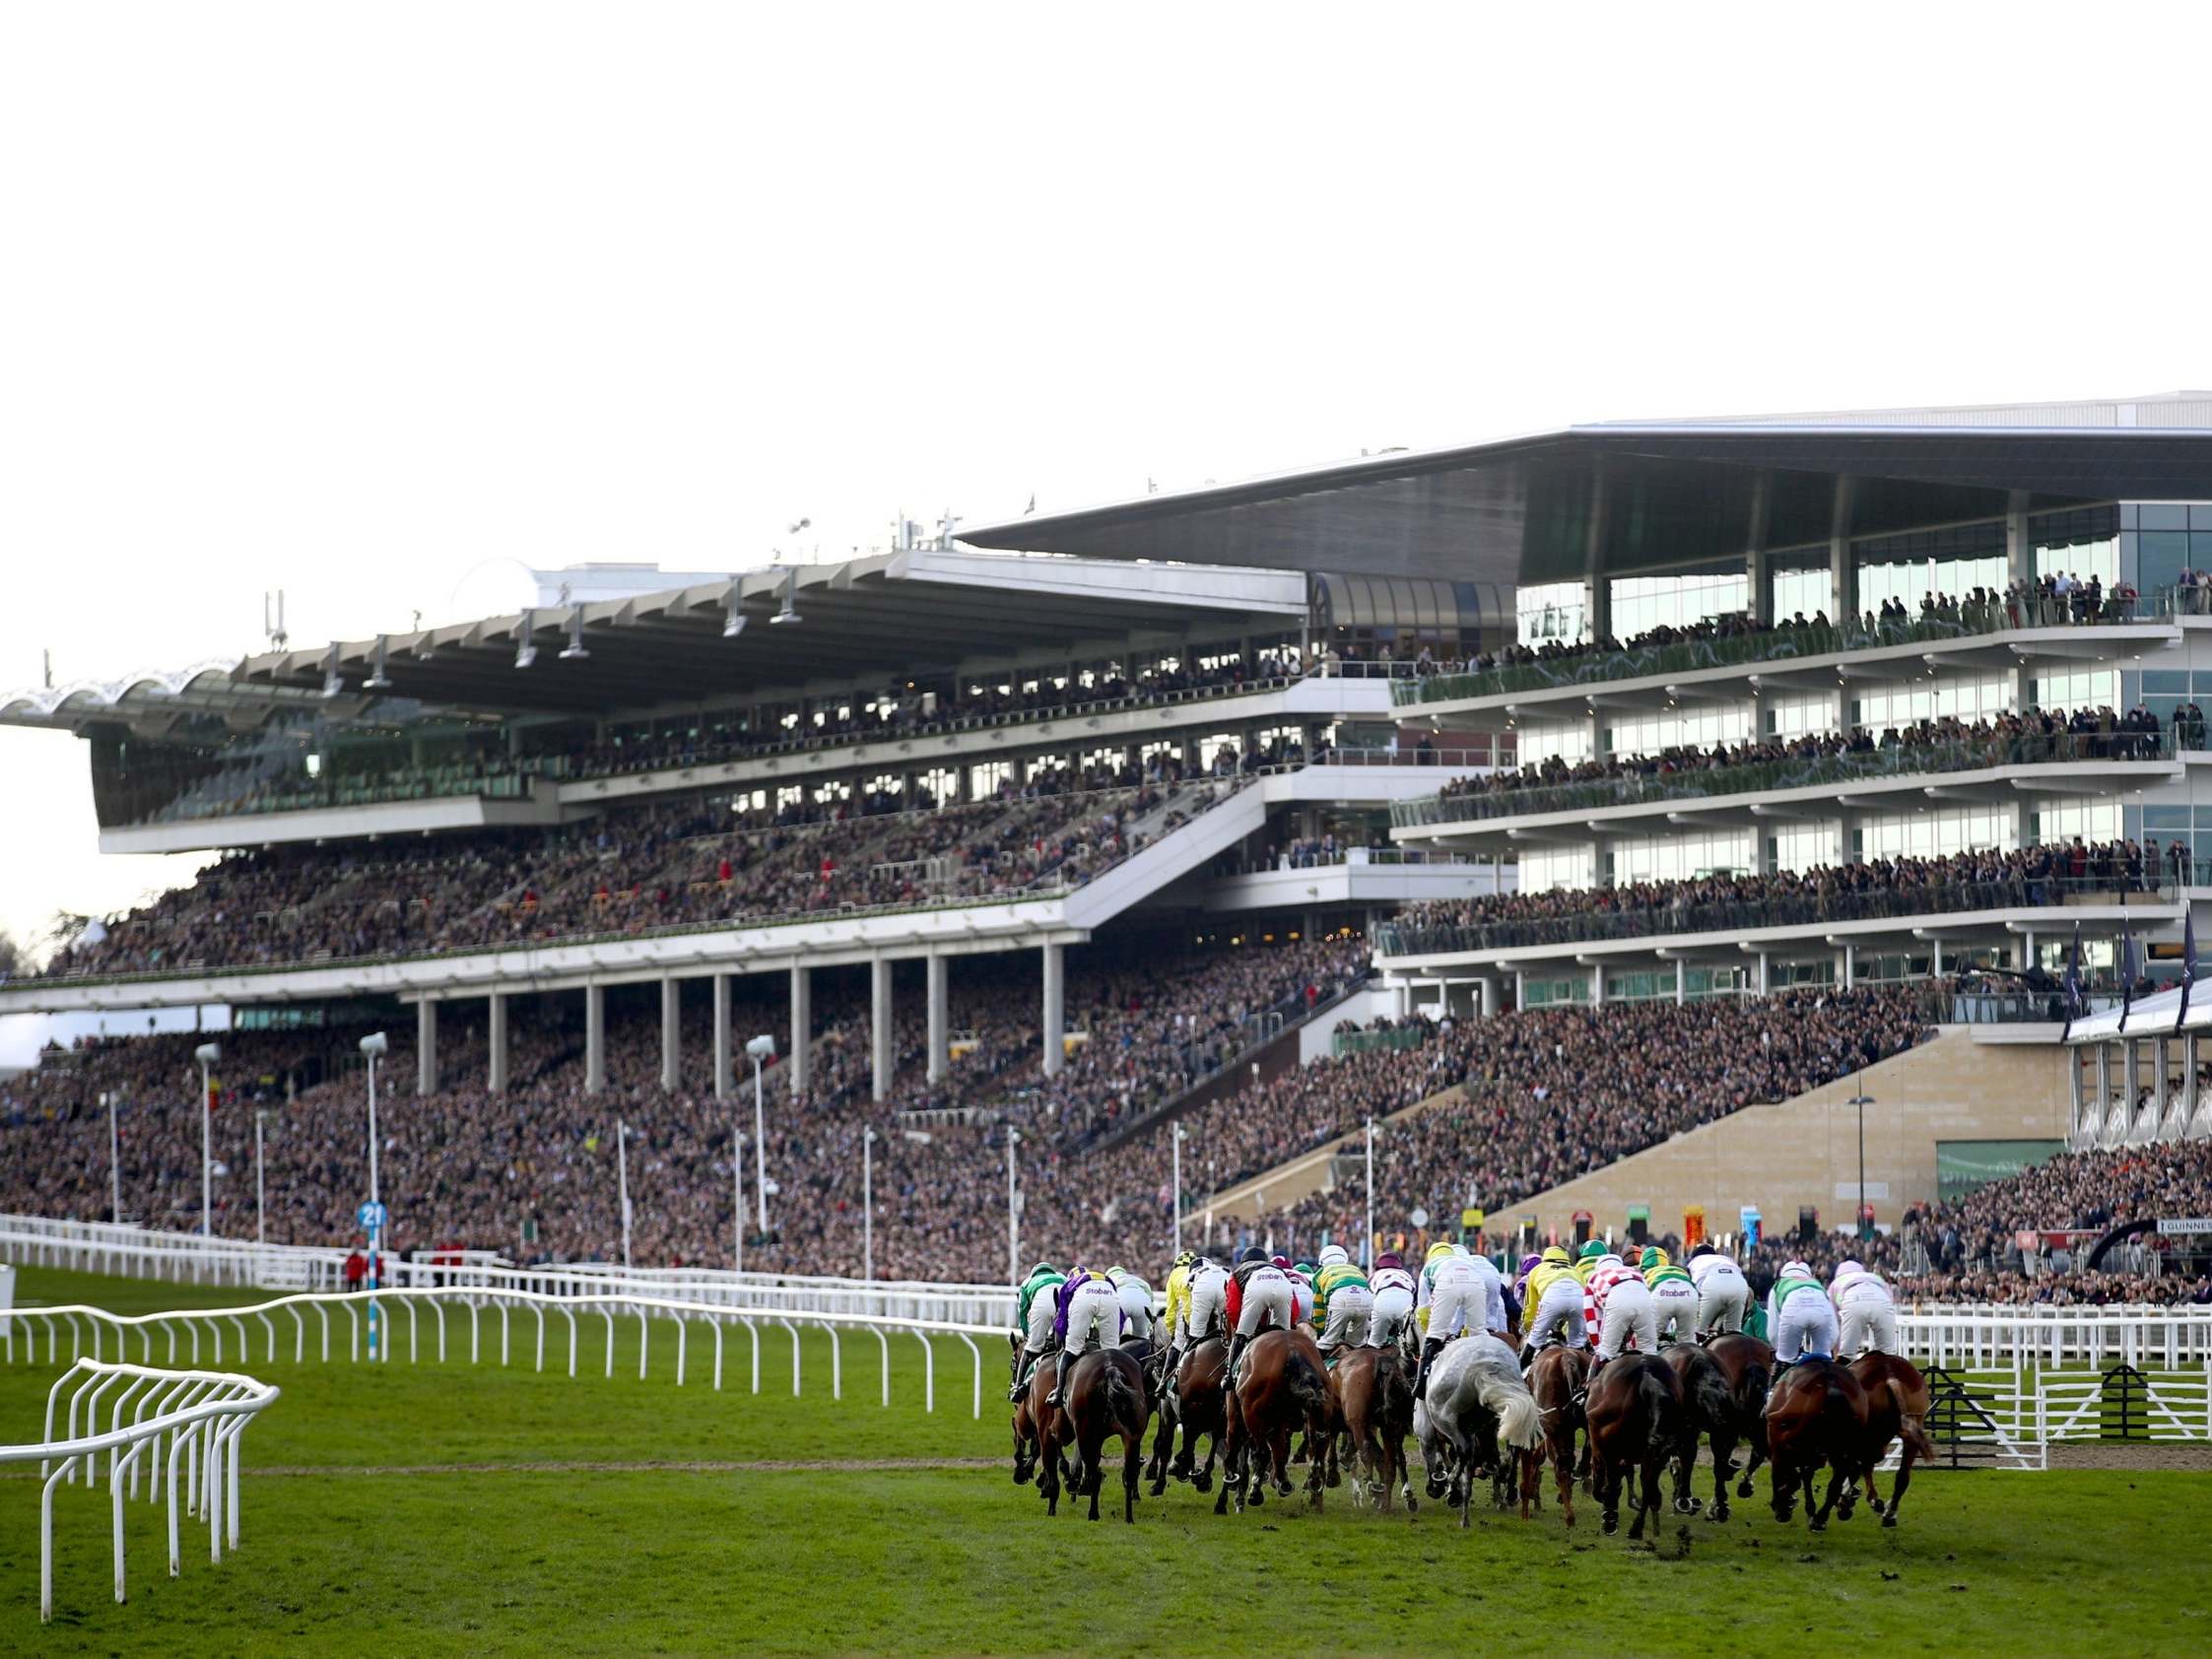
x: 1984, y: 879
x: 629, y: 871
x: 2036, y: 735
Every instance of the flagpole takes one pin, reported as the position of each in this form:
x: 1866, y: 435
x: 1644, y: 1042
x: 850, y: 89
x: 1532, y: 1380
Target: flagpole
x: 2189, y: 970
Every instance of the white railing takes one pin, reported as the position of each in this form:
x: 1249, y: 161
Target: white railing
x: 1986, y: 1335
x: 201, y: 1414
x: 380, y: 1308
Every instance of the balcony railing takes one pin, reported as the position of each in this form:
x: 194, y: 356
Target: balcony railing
x: 1902, y: 760
x: 1776, y: 644
x: 1416, y: 938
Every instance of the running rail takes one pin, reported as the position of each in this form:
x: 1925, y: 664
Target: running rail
x: 200, y: 1414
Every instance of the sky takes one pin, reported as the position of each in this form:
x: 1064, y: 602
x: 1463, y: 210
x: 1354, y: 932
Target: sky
x: 379, y: 303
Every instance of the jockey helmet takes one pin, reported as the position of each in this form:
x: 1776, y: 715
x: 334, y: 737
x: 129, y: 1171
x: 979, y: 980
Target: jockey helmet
x: 1115, y: 1272
x: 1527, y: 1266
x: 1554, y: 1255
x: 1652, y: 1256
x: 1253, y: 1254
x: 1439, y: 1250
x: 1795, y: 1270
x: 1703, y: 1250
x: 1844, y: 1267
x: 1390, y: 1258
x: 1188, y: 1258
x: 1332, y: 1255
x: 1283, y: 1262
x: 1308, y: 1268
x: 1591, y: 1251
x: 1043, y: 1267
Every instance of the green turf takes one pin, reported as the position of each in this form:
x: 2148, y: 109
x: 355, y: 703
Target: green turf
x: 927, y: 1562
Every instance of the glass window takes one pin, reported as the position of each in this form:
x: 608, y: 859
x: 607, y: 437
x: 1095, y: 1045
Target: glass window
x: 1803, y: 594
x: 1552, y: 610
x: 1643, y: 603
x: 2161, y: 556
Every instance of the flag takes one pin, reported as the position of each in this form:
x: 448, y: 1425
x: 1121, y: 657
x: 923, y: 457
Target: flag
x: 2189, y: 968
x: 2073, y: 985
x: 213, y: 1095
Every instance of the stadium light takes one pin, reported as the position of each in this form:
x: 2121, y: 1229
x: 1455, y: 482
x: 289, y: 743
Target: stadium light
x: 332, y: 683
x: 760, y: 1048
x: 207, y: 1054
x: 791, y: 611
x: 525, y: 653
x: 575, y: 651
x: 733, y: 618
x: 377, y: 680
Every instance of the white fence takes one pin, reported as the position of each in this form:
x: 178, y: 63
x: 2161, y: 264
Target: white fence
x: 377, y: 1311
x: 2002, y: 1334
x: 201, y: 1415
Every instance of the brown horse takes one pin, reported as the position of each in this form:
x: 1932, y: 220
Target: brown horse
x: 1279, y: 1390
x: 1896, y: 1409
x: 1375, y: 1391
x: 1196, y: 1394
x: 1817, y: 1416
x: 1637, y: 1421
x: 1053, y: 1429
x: 1106, y: 1397
x: 1722, y: 1405
x: 1748, y: 1362
x: 1556, y: 1378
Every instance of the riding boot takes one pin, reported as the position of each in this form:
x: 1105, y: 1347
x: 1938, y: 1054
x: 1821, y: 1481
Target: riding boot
x: 1235, y: 1349
x: 1059, y: 1395
x: 1023, y: 1370
x: 1431, y: 1347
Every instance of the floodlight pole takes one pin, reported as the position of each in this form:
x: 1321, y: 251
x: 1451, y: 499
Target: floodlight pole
x: 622, y: 1176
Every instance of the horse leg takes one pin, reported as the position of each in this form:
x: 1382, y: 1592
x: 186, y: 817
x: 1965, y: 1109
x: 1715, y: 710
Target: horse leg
x: 1605, y: 1486
x: 1757, y: 1444
x: 1048, y: 1477
x: 1817, y: 1519
x: 1202, y: 1478
x: 1723, y: 1455
x: 1904, y: 1478
x: 1280, y: 1456
x: 1158, y: 1471
x: 1531, y: 1466
x: 1021, y: 1457
x: 1132, y: 1457
x: 1563, y: 1473
x: 1786, y: 1490
x: 1649, y: 1478
x: 1686, y: 1461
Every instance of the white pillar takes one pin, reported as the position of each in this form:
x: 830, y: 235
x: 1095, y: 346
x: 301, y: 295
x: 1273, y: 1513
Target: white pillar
x: 1850, y: 966
x: 1766, y: 973
x: 426, y: 1047
x: 723, y: 1079
x: 594, y: 1039
x: 671, y: 1034
x: 1489, y: 995
x: 1055, y: 1009
x: 802, y: 1028
x: 1598, y: 984
x: 496, y: 1020
x: 940, y: 1058
x: 1681, y: 982
x: 879, y: 985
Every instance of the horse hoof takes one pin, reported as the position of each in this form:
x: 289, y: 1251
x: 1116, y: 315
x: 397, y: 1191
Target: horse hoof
x: 1745, y: 1489
x: 1202, y: 1484
x: 1816, y: 1525
x: 1611, y: 1525
x: 1889, y: 1519
x: 1687, y: 1506
x: 1719, y: 1513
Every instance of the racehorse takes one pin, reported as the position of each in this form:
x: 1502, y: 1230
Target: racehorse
x: 1279, y: 1388
x: 1748, y: 1362
x: 1717, y: 1409
x: 1817, y: 1416
x: 1107, y: 1396
x: 1554, y: 1381
x: 1375, y: 1391
x: 1637, y: 1421
x: 1053, y: 1429
x: 1896, y: 1409
x: 1479, y: 1407
x: 1196, y: 1405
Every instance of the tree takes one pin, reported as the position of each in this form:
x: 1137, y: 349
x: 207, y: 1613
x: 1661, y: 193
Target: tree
x: 15, y: 961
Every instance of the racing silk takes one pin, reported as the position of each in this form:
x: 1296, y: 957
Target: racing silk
x: 1233, y: 1300
x: 1703, y: 1268
x: 1783, y: 1289
x: 1541, y: 1277
x: 1178, y: 1296
x: 1047, y: 1283
x: 1334, y: 1279
x: 1609, y: 1272
x: 1128, y: 1278
x: 1866, y: 1285
x: 1390, y: 1278
x: 1066, y: 1294
x: 1305, y: 1301
x: 1658, y: 1276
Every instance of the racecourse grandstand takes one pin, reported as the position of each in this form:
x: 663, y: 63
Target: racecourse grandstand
x: 1556, y: 805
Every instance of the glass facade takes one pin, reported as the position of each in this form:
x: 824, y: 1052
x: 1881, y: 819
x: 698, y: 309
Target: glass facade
x: 1643, y: 603
x: 1804, y: 591
x: 2160, y: 540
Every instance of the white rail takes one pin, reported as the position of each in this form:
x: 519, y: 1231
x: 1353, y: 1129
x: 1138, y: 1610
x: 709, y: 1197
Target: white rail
x: 202, y: 1415
x: 477, y: 1300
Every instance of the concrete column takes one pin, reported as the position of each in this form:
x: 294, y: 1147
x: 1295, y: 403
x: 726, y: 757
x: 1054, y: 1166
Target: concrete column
x: 1489, y: 994
x: 724, y: 1058
x: 1054, y: 1029
x: 940, y: 1056
x: 497, y: 1022
x: 1598, y: 606
x: 2131, y: 1076
x: 1758, y: 577
x: 426, y: 1047
x: 2188, y: 1083
x: 2104, y: 1084
x: 879, y: 990
x: 1850, y: 966
x: 671, y: 1034
x: 2020, y: 548
x: 802, y: 1028
x: 1598, y: 984
x: 1681, y: 981
x: 2026, y: 957
x: 1766, y: 973
x: 2161, y: 1081
x: 1843, y: 575
x: 594, y: 1039
x: 1935, y: 956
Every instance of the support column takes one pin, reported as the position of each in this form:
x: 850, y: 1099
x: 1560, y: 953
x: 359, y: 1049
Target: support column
x: 1598, y: 984
x: 1757, y: 576
x: 426, y: 1047
x: 671, y: 1034
x: 1598, y: 606
x: 496, y: 1021
x: 1681, y: 981
x: 1850, y: 966
x: 1843, y: 575
x: 1054, y: 1028
x: 879, y: 991
x: 802, y: 1028
x: 2188, y: 1085
x: 594, y: 1039
x: 1489, y: 994
x: 1766, y: 973
x: 2162, y: 1083
x: 940, y: 1056
x: 725, y: 1060
x: 2027, y: 955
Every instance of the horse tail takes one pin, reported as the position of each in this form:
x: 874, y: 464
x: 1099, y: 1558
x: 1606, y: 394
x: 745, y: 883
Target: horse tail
x: 1307, y: 1386
x: 1396, y: 1391
x: 1752, y: 1389
x: 1711, y: 1397
x: 1910, y: 1428
x: 1520, y: 1425
x: 1664, y: 1403
x: 1124, y: 1398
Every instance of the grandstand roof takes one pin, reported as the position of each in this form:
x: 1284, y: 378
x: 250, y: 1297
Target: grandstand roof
x: 872, y: 617
x: 1653, y: 494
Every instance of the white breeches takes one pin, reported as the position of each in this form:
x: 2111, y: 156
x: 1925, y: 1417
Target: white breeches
x: 1868, y: 1323
x: 1724, y: 1302
x: 1393, y: 1308
x: 1351, y: 1314
x: 1095, y: 1311
x: 1679, y: 1308
x: 1266, y: 1305
x: 1561, y: 1311
x: 1804, y: 1324
x: 1629, y: 1312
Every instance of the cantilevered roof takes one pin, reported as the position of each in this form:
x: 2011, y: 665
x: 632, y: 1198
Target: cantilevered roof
x: 1654, y: 495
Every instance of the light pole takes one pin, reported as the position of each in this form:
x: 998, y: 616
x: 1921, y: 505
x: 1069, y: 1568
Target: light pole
x: 1013, y: 1213
x: 1860, y: 1101
x: 374, y: 1044
x: 207, y: 1054
x: 1179, y: 1140
x: 759, y: 1049
x: 622, y: 1176
x: 260, y: 1220
x: 737, y: 1199
x: 114, y: 1163
x: 1367, y: 1250
x: 868, y: 1205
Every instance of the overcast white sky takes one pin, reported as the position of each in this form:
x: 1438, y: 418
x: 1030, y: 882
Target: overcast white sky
x: 355, y: 299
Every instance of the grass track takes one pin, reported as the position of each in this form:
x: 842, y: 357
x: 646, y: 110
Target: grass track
x: 930, y: 1561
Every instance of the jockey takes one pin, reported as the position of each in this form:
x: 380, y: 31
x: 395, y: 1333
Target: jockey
x: 1303, y: 1295
x: 1625, y: 1308
x: 1137, y: 1317
x: 1178, y: 1291
x: 1524, y: 1308
x: 1346, y: 1303
x: 1393, y: 1289
x: 1089, y: 1307
x: 1801, y: 1318
x: 1203, y: 1311
x: 1723, y: 1294
x: 1554, y: 1297
x: 1259, y: 1299
x: 1033, y: 1307
x: 1866, y: 1311
x: 1673, y: 1293
x: 1585, y: 1260
x: 1457, y: 1300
